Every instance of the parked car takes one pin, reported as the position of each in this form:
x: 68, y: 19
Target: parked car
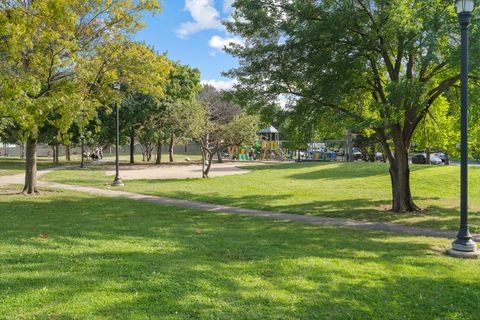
x: 440, y: 155
x: 421, y: 158
x: 357, y: 155
x: 435, y: 160
x: 379, y: 156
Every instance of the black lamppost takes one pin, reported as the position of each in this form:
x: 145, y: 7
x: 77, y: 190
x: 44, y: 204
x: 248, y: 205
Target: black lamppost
x: 117, y: 181
x: 82, y: 137
x: 464, y: 246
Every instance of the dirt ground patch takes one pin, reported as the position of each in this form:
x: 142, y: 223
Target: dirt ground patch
x: 178, y: 171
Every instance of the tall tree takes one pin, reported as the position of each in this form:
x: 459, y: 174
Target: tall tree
x: 185, y: 121
x: 46, y: 48
x: 225, y: 125
x: 183, y: 86
x: 221, y: 109
x: 137, y: 110
x: 240, y: 130
x: 380, y: 64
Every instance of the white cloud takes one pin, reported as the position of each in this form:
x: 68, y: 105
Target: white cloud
x: 217, y: 42
x: 227, y: 6
x: 204, y: 15
x: 220, y: 84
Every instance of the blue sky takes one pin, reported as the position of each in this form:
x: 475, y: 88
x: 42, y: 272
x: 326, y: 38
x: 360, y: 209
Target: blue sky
x: 191, y: 32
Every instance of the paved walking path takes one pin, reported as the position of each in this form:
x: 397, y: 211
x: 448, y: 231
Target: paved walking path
x: 12, y: 179
x: 20, y: 178
x: 379, y: 226
x: 176, y: 171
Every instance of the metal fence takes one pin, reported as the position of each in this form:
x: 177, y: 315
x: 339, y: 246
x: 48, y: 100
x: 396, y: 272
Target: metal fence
x: 45, y: 150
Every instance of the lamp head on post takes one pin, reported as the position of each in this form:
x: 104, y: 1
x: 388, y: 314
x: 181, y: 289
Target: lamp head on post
x: 464, y: 11
x: 465, y: 6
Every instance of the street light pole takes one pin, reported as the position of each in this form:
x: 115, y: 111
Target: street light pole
x: 117, y: 181
x: 464, y: 246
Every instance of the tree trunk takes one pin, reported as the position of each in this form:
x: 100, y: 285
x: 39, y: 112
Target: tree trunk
x: 159, y: 153
x: 207, y: 156
x: 132, y: 146
x: 22, y: 151
x: 402, y: 200
x: 57, y: 152
x: 203, y: 162
x: 30, y: 186
x: 67, y: 152
x: 149, y: 152
x: 427, y: 157
x: 170, y: 148
x: 447, y: 159
x: 209, y: 165
x: 400, y: 176
x: 349, y: 151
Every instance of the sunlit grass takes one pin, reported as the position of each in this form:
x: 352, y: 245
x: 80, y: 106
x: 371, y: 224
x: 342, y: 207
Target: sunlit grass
x: 67, y: 255
x: 359, y: 191
x: 11, y: 166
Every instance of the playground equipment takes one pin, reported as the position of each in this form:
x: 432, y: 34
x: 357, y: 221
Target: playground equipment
x: 268, y: 147
x: 320, y: 155
x: 241, y: 152
x: 271, y: 144
x: 323, y: 150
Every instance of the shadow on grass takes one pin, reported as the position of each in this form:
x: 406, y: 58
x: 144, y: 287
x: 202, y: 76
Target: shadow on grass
x: 17, y: 164
x: 350, y: 171
x: 116, y: 258
x: 435, y: 216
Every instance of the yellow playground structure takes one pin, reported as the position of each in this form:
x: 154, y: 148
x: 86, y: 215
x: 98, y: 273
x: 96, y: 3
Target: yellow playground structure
x: 267, y: 147
x: 271, y: 144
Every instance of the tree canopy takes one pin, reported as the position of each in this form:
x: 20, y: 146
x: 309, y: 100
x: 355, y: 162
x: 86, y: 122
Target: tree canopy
x: 377, y: 64
x: 60, y: 56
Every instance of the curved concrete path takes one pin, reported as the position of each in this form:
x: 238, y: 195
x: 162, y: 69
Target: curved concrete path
x: 378, y: 226
x: 177, y: 171
x: 20, y: 178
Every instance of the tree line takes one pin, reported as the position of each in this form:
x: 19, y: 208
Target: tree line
x: 64, y: 65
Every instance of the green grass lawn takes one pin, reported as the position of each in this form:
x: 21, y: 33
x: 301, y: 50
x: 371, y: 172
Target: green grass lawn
x: 11, y: 166
x: 358, y: 191
x: 65, y: 255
